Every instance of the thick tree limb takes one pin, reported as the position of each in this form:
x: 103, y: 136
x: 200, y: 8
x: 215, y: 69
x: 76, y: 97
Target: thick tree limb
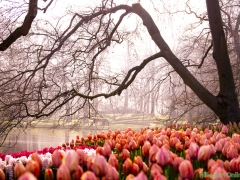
x: 24, y: 29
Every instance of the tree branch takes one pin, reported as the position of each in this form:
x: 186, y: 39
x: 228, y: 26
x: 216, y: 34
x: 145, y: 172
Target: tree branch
x: 24, y: 29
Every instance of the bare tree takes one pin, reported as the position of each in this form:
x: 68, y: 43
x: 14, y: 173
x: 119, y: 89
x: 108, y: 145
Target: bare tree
x: 35, y: 87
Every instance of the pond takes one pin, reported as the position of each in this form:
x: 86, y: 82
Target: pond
x: 39, y: 138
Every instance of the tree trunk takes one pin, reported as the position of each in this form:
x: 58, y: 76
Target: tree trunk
x: 225, y: 105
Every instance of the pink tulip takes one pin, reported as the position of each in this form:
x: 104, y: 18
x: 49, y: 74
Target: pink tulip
x: 220, y: 174
x: 48, y: 174
x: 63, y: 173
x: 112, y: 173
x: 71, y: 160
x: 141, y: 176
x: 145, y: 168
x: 82, y: 157
x: 113, y: 161
x: 159, y: 177
x: 193, y: 150
x: 177, y: 161
x: 127, y: 166
x: 27, y: 176
x: 106, y: 151
x: 155, y: 170
x: 224, y: 129
x: 232, y: 152
x: 77, y: 174
x: 2, y: 175
x: 219, y: 145
x: 149, y: 136
x: 138, y: 160
x: 204, y: 153
x: 163, y: 157
x: 36, y: 158
x: 186, y: 169
x: 145, y: 149
x: 88, y: 175
x: 235, y: 165
x: 152, y: 153
x: 135, y: 169
x: 57, y: 157
x: 33, y: 167
x: 99, y: 165
x: 125, y: 154
x: 19, y: 169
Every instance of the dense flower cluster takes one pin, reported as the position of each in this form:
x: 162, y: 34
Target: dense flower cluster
x: 175, y: 152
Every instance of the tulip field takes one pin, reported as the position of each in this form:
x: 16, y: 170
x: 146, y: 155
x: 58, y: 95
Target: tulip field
x: 176, y: 152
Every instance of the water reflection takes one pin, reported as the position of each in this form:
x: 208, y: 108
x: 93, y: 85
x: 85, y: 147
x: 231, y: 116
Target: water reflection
x: 39, y: 138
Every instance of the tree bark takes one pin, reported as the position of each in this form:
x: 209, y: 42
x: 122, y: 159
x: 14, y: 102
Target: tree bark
x: 225, y: 112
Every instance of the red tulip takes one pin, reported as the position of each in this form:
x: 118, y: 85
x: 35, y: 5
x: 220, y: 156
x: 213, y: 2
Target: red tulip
x: 33, y: 167
x: 27, y: 176
x: 19, y: 169
x: 63, y: 173
x: 2, y: 175
x: 127, y: 166
x: 113, y: 161
x: 88, y: 175
x: 48, y: 174
x: 186, y: 169
x: 163, y: 157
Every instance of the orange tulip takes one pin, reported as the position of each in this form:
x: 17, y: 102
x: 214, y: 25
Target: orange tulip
x: 88, y: 175
x: 127, y: 166
x: 118, y: 147
x: 130, y: 177
x: 27, y: 176
x: 19, y: 169
x: 63, y: 173
x: 186, y: 169
x: 48, y: 174
x: 33, y: 167
x: 2, y: 175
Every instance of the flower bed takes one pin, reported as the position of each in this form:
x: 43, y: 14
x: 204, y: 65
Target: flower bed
x: 175, y: 152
